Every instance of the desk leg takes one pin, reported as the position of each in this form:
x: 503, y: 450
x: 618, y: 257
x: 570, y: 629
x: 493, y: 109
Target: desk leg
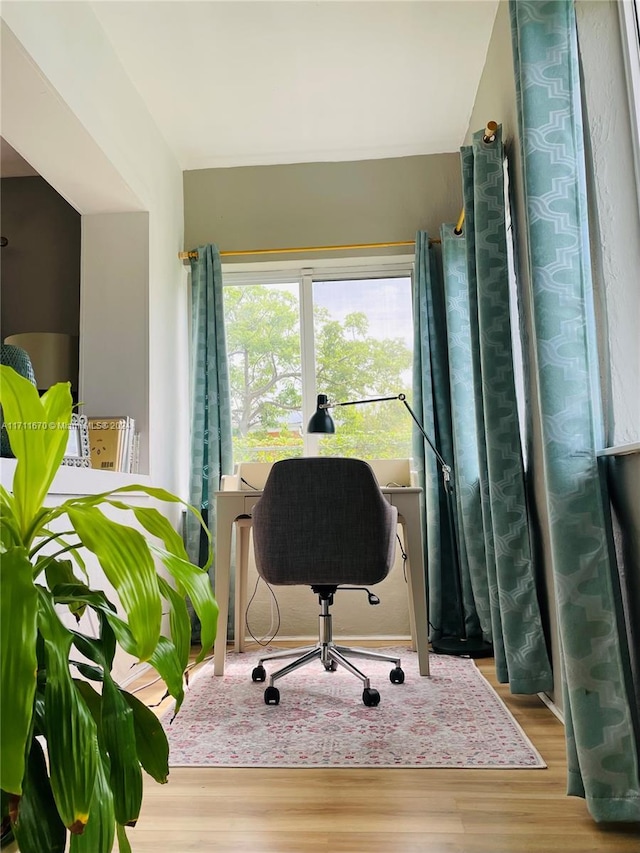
x: 243, y: 533
x: 417, y: 588
x: 224, y: 529
x: 412, y: 617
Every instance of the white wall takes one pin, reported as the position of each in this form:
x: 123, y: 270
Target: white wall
x: 616, y: 248
x: 114, y: 367
x: 71, y: 111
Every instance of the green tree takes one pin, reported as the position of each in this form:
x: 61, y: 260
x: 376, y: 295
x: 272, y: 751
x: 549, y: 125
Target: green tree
x: 263, y: 341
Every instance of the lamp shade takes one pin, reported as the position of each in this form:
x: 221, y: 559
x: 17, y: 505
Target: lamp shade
x: 54, y: 356
x: 321, y: 421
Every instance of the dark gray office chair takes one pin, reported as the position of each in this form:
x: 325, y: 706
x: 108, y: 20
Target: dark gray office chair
x: 324, y: 522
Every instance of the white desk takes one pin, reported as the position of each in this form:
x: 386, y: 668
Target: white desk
x: 236, y: 506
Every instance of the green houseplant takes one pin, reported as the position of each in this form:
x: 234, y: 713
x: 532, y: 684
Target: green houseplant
x: 85, y: 786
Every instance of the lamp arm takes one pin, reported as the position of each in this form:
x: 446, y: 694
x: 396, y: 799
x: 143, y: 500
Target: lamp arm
x: 357, y: 402
x: 446, y: 469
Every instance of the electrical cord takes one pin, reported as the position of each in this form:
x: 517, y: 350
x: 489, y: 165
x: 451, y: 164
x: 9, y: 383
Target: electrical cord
x: 404, y: 572
x: 254, y: 488
x: 263, y: 641
x: 404, y: 558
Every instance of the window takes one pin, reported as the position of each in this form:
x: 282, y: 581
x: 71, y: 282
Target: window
x: 295, y: 333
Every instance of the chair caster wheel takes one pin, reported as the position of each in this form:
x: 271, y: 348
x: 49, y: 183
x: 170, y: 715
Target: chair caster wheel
x: 331, y: 667
x: 259, y: 673
x: 370, y: 697
x: 396, y: 676
x: 272, y: 696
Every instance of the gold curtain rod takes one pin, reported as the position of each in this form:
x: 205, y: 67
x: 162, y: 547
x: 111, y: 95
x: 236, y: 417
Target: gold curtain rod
x: 185, y: 256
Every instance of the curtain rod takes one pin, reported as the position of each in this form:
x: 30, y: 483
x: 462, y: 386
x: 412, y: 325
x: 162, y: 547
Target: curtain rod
x: 185, y: 256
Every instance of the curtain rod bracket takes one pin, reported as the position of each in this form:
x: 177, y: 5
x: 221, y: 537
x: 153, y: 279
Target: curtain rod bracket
x: 490, y: 132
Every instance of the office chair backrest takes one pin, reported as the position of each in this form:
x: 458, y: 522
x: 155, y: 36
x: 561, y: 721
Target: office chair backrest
x: 323, y: 521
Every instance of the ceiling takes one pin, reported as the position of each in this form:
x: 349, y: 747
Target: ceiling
x: 250, y: 83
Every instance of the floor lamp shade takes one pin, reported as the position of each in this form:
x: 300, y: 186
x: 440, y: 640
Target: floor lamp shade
x: 54, y: 356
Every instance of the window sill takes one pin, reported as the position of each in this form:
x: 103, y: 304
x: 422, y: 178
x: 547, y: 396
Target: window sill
x: 621, y: 450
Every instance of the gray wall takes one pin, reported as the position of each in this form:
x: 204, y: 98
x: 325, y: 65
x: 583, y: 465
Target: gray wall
x: 319, y: 204
x: 40, y: 267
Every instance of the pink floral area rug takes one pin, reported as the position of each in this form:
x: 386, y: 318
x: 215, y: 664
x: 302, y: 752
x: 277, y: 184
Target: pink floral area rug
x: 453, y: 718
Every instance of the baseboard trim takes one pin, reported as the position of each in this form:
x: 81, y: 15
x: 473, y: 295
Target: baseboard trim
x: 551, y: 705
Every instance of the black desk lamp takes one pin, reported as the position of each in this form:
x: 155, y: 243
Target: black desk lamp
x: 322, y: 422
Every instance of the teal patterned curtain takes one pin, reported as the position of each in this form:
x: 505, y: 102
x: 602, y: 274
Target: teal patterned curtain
x: 602, y: 745
x: 431, y: 402
x: 464, y: 389
x: 211, y: 448
x: 520, y: 648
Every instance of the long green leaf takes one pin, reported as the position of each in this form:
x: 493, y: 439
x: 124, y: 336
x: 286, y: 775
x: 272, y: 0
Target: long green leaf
x: 159, y: 525
x: 38, y: 827
x: 165, y: 661
x: 93, y: 673
x: 119, y: 737
x: 123, y: 841
x: 164, y: 658
x: 189, y: 579
x: 124, y: 556
x: 195, y: 582
x: 70, y: 728
x: 93, y: 701
x: 152, y: 491
x: 18, y: 632
x: 61, y: 572
x: 38, y: 434
x: 99, y: 833
x: 22, y: 410
x: 151, y: 741
x: 117, y: 731
x: 49, y: 536
x: 179, y: 621
x: 9, y: 527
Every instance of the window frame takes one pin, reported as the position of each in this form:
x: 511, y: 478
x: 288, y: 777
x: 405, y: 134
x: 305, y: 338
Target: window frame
x: 304, y: 272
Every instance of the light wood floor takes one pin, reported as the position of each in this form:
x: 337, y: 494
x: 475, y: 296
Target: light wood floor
x: 336, y: 810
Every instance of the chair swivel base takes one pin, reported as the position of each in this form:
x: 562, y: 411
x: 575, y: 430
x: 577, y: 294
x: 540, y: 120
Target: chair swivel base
x: 331, y: 656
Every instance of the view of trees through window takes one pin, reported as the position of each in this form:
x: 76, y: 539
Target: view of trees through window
x: 358, y: 339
